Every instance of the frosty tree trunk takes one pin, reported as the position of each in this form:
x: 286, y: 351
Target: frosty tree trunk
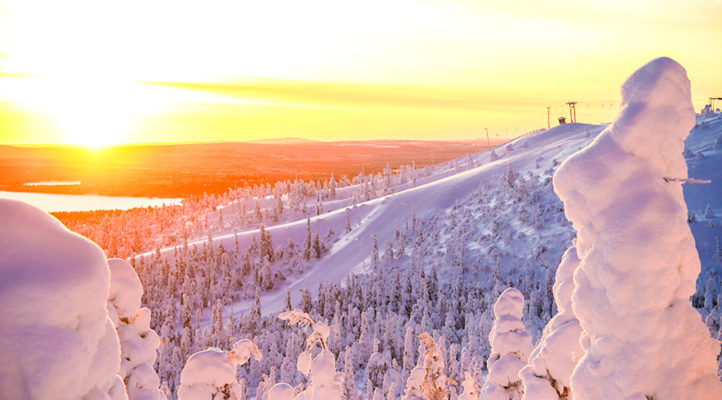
x: 641, y: 336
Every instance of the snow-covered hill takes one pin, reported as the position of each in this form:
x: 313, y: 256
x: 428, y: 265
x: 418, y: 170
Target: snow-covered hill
x: 457, y: 185
x: 399, y: 274
x: 704, y: 201
x: 477, y: 224
x: 450, y: 184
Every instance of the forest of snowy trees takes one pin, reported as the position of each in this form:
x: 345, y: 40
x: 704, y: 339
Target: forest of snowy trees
x: 510, y: 293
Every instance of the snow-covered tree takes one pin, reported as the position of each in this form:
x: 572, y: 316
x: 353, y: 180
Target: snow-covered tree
x: 641, y: 337
x: 324, y: 381
x: 552, y: 362
x: 510, y: 348
x: 349, y: 377
x: 138, y: 342
x: 709, y: 212
x: 211, y: 374
x: 428, y: 379
x: 56, y: 336
x: 281, y: 391
x: 470, y: 390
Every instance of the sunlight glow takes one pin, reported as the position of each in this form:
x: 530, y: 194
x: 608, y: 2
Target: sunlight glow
x: 86, y: 66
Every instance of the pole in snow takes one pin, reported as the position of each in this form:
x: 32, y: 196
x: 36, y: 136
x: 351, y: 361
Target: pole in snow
x: 548, y: 123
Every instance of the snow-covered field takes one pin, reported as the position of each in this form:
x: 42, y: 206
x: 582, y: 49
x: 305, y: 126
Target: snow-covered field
x: 398, y: 275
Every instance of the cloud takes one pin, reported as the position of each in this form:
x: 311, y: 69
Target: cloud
x: 346, y: 94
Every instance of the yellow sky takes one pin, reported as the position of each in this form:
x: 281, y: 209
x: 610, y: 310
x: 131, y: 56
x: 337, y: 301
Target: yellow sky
x: 98, y: 72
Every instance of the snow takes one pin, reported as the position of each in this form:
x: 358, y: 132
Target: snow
x: 56, y: 337
x: 638, y: 263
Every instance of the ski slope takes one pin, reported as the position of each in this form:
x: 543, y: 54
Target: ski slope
x: 448, y: 184
x: 540, y: 151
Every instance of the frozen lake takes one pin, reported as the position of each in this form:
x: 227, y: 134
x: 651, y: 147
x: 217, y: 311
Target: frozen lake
x: 52, y: 183
x: 85, y: 202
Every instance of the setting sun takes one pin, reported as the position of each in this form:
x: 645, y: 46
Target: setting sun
x: 88, y: 113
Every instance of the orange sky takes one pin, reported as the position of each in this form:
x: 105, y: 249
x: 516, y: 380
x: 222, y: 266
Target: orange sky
x: 95, y: 73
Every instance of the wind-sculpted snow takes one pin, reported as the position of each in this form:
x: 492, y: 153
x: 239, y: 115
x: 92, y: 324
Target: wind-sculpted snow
x: 56, y: 337
x: 641, y: 336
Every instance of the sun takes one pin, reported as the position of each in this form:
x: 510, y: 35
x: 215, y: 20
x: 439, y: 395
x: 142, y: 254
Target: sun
x: 82, y: 76
x: 87, y: 111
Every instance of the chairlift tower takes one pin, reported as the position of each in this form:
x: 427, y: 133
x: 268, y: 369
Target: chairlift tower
x: 712, y: 101
x: 572, y: 111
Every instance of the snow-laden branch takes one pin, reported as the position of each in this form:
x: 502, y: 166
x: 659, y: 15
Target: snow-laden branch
x: 685, y: 180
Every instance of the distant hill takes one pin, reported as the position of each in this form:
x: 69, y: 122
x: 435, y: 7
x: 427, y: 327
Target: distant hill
x: 286, y: 140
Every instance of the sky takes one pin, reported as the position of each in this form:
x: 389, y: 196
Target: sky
x: 96, y: 73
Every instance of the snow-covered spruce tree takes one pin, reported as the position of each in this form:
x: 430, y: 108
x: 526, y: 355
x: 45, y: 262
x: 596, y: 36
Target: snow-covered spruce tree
x: 428, y: 380
x: 138, y: 343
x: 550, y: 367
x: 510, y: 348
x: 211, y: 374
x: 56, y: 337
x: 470, y: 390
x: 641, y: 336
x: 324, y: 381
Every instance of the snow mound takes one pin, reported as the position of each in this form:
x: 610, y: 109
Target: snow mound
x: 641, y: 336
x: 57, y: 339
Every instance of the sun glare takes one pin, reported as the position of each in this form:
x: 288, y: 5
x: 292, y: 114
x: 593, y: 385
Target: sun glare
x: 78, y: 76
x: 87, y: 112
